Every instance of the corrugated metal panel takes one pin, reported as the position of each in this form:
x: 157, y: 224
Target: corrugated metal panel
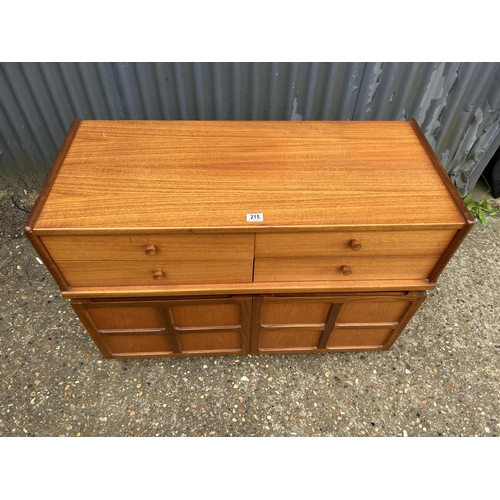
x: 457, y: 104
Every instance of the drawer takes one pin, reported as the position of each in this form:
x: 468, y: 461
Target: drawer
x: 140, y: 273
x: 150, y: 247
x: 355, y: 268
x: 351, y: 242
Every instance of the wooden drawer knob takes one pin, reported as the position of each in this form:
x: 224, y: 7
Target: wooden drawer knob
x: 346, y: 270
x: 150, y: 250
x: 355, y: 245
x: 157, y: 274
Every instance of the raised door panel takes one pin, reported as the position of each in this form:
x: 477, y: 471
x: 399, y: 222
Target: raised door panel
x: 123, y: 329
x: 359, y: 338
x: 128, y: 317
x: 284, y: 324
x: 289, y: 339
x: 170, y: 327
x: 299, y: 313
x: 226, y: 342
x: 330, y: 322
x: 211, y: 326
x: 205, y: 314
x: 382, y: 310
x: 137, y: 345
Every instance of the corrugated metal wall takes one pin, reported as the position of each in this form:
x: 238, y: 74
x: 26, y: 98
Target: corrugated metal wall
x: 456, y: 104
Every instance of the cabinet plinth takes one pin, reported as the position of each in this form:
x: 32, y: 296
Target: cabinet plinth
x: 245, y: 237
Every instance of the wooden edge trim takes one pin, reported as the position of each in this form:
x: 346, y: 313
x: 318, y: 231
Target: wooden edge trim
x: 329, y: 325
x: 162, y: 230
x: 170, y: 329
x: 257, y: 305
x: 159, y: 301
x: 291, y: 350
x: 37, y: 208
x: 249, y: 288
x: 361, y: 326
x: 468, y: 218
x: 37, y: 244
x: 354, y: 348
x: 246, y: 323
x: 167, y: 354
x: 51, y: 177
x: 450, y: 252
x: 410, y: 311
x: 206, y: 329
x: 295, y: 326
x: 132, y: 331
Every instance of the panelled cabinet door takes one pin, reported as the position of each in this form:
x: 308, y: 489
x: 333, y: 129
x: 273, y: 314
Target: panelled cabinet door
x: 158, y: 328
x: 330, y: 323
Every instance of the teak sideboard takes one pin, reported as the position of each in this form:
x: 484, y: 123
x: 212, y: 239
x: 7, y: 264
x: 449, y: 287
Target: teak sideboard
x: 180, y: 238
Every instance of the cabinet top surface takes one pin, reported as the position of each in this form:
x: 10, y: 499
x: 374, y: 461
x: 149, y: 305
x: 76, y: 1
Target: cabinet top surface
x: 189, y: 175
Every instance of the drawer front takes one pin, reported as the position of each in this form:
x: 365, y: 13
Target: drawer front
x: 150, y: 247
x: 353, y: 243
x: 344, y: 268
x: 157, y: 273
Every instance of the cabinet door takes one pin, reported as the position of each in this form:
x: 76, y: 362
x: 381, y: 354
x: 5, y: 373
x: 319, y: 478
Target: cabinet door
x: 170, y: 327
x: 331, y: 322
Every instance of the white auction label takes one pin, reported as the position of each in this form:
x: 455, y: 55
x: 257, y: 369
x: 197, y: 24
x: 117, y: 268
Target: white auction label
x: 255, y: 217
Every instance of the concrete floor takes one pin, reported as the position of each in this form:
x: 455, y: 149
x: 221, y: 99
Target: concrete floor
x: 441, y: 377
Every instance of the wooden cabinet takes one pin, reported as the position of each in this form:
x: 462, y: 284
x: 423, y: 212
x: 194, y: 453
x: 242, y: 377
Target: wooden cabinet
x: 181, y: 238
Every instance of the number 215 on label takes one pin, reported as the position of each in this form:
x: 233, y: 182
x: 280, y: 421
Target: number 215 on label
x: 259, y: 217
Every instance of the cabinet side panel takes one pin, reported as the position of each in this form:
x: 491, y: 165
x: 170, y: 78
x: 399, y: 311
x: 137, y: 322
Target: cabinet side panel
x: 419, y: 298
x: 450, y: 252
x: 51, y: 177
x: 80, y: 307
x: 47, y: 260
x: 38, y: 206
x: 460, y: 205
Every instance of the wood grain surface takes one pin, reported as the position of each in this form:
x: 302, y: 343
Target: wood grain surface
x: 175, y: 247
x: 139, y: 273
x: 145, y: 209
x: 339, y: 322
x: 355, y: 338
x: 326, y: 244
x: 184, y: 175
x: 156, y: 289
x: 363, y: 268
x: 152, y: 328
x: 40, y: 202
